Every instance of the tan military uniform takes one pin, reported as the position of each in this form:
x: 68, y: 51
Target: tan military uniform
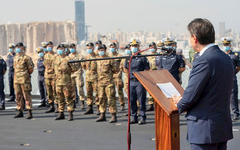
x: 64, y: 88
x: 152, y: 62
x: 23, y: 67
x: 91, y: 77
x: 117, y: 77
x: 106, y: 90
x: 50, y: 77
x: 77, y: 76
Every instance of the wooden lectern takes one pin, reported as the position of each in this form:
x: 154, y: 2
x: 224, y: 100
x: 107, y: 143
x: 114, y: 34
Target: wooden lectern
x: 166, y: 113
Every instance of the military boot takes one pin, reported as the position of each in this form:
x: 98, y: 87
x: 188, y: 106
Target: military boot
x: 82, y: 105
x: 150, y: 108
x: 89, y: 110
x: 98, y: 112
x: 101, y: 118
x: 29, y: 115
x: 56, y: 109
x: 19, y: 114
x: 122, y: 107
x: 70, y: 116
x: 114, y: 118
x: 50, y: 109
x: 60, y: 116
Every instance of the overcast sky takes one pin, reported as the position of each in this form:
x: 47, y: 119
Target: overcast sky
x: 127, y: 15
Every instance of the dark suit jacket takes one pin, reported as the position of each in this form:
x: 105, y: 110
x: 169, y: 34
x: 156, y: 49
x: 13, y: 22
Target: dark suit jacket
x: 207, y: 98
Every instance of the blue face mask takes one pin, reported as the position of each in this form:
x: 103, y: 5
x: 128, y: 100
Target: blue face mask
x: 152, y: 50
x: 41, y: 54
x: 10, y: 50
x: 168, y: 47
x: 134, y: 49
x: 112, y: 50
x: 49, y: 49
x: 101, y: 53
x: 18, y: 50
x: 89, y: 51
x: 128, y: 52
x: 45, y: 49
x: 66, y: 50
x: 72, y: 50
x: 59, y: 52
x: 227, y: 48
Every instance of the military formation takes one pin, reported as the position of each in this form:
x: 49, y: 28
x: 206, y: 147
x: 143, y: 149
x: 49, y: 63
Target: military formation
x: 62, y: 83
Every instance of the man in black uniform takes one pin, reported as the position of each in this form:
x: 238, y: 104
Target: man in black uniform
x: 10, y: 58
x: 3, y: 68
x: 137, y: 91
x: 236, y: 63
x: 170, y: 60
x: 41, y: 82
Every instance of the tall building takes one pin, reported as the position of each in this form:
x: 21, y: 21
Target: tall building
x: 80, y: 20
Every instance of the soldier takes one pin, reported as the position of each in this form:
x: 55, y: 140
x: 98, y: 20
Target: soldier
x: 106, y: 90
x: 77, y: 75
x: 152, y: 62
x: 117, y: 77
x: 23, y: 68
x: 10, y: 58
x: 97, y: 44
x: 44, y: 46
x: 125, y: 71
x: 236, y: 63
x: 170, y: 60
x: 49, y: 75
x: 137, y: 91
x: 91, y: 77
x: 64, y: 86
x: 41, y: 82
x: 3, y: 68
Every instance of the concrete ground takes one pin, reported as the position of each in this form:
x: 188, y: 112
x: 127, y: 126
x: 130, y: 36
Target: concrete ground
x: 44, y: 133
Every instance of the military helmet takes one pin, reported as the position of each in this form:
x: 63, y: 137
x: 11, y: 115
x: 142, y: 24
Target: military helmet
x: 90, y: 44
x: 168, y: 41
x: 72, y: 45
x: 135, y: 42
x: 153, y: 44
x: 226, y: 40
x: 99, y: 42
x: 44, y: 44
x: 20, y: 44
x: 11, y: 45
x: 39, y: 49
x: 160, y: 43
x: 113, y: 44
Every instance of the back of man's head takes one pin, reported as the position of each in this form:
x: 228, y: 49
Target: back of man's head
x: 203, y: 30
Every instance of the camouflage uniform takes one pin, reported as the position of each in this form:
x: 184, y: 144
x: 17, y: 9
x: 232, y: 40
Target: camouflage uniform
x: 77, y: 76
x: 23, y: 67
x: 91, y: 77
x: 64, y: 88
x: 106, y: 90
x: 117, y: 77
x: 50, y: 77
x: 152, y: 61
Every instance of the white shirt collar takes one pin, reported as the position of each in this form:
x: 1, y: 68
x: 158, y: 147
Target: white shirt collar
x: 205, y: 48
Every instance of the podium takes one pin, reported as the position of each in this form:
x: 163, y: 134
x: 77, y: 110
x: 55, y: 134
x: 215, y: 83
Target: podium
x: 167, y: 134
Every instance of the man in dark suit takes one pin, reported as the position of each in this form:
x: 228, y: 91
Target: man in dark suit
x: 207, y: 96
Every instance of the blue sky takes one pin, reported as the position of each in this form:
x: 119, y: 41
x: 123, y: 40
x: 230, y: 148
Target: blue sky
x: 127, y: 15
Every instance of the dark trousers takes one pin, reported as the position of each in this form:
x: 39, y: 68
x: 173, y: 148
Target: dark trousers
x: 11, y: 86
x: 219, y: 146
x: 137, y: 92
x: 42, y: 89
x: 2, y: 94
x: 234, y: 97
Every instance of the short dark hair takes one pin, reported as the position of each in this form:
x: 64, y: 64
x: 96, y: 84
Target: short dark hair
x: 203, y: 30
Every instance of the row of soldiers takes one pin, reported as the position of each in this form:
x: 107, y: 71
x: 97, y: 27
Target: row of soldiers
x: 59, y: 79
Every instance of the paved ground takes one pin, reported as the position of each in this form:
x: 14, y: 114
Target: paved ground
x: 44, y: 133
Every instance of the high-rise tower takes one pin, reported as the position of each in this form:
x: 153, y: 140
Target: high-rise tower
x: 80, y: 20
